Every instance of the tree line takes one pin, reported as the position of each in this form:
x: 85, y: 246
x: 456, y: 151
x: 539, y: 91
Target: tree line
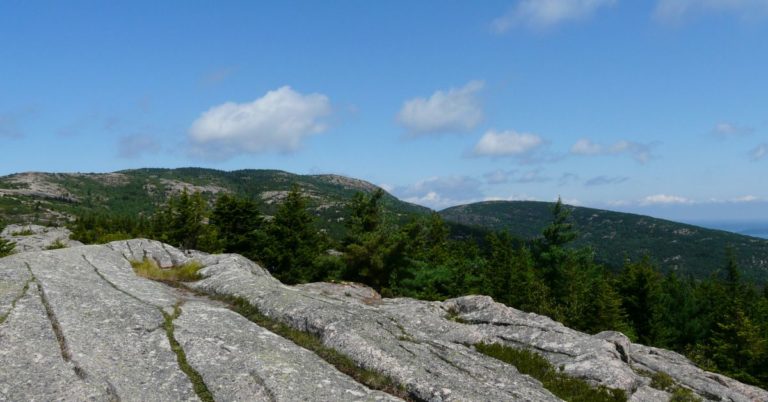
x: 721, y: 323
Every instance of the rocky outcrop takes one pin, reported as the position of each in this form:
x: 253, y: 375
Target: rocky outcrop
x: 78, y: 324
x: 36, y: 237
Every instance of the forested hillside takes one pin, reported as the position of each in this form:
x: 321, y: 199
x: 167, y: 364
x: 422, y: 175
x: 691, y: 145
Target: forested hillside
x: 615, y: 236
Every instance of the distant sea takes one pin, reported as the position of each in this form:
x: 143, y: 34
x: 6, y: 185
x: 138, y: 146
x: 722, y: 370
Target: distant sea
x: 749, y: 228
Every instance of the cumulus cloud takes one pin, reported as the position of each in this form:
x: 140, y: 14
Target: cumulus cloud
x: 133, y: 146
x: 544, y: 14
x: 637, y: 151
x: 605, y: 180
x: 759, y: 152
x: 664, y: 199
x: 449, y: 111
x: 441, y: 192
x: 507, y: 143
x: 728, y: 130
x: 279, y: 121
x: 677, y: 10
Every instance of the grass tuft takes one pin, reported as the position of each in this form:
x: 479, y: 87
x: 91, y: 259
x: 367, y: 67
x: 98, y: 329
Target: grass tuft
x: 183, y: 273
x: 563, y: 386
x: 56, y: 245
x: 663, y: 382
x: 23, y: 232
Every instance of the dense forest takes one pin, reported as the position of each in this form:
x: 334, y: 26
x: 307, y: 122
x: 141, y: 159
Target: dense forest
x: 720, y: 322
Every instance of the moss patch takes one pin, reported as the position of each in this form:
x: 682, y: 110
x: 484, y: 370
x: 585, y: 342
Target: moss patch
x: 197, y: 380
x: 563, y: 386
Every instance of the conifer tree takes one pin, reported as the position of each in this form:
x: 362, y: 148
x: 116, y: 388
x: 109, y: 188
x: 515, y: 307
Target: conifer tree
x: 293, y: 240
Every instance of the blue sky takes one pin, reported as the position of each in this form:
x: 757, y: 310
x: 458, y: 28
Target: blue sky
x: 656, y: 106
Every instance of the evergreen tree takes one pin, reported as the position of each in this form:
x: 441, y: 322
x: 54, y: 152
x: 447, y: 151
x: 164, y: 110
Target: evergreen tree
x: 551, y: 253
x: 240, y: 225
x: 182, y: 222
x: 640, y: 287
x: 293, y: 242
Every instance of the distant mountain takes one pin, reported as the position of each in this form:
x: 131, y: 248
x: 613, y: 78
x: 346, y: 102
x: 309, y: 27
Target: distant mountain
x: 678, y: 247
x: 56, y: 197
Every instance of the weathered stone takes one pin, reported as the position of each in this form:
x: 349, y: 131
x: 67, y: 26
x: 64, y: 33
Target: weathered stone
x: 78, y: 324
x: 36, y: 237
x: 32, y: 366
x: 111, y: 337
x: 241, y: 361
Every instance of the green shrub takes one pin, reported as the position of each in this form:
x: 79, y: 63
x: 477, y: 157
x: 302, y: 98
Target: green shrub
x: 563, y: 386
x: 56, y: 245
x: 23, y: 232
x: 6, y: 247
x: 183, y: 273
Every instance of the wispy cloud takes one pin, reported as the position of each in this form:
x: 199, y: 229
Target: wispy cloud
x: 219, y: 75
x: 545, y: 14
x: 278, y: 121
x: 727, y: 130
x: 446, y: 111
x: 605, y: 180
x: 637, y: 151
x: 514, y: 176
x: 11, y: 122
x: 507, y: 143
x: 133, y: 146
x: 673, y: 11
x: 759, y: 152
x: 664, y: 199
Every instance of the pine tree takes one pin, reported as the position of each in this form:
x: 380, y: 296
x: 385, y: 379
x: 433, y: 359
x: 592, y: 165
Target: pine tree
x: 240, y: 225
x: 293, y: 242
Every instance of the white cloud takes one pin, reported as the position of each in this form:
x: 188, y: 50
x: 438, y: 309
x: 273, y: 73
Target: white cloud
x: 278, y: 121
x: 728, y: 130
x: 664, y: 199
x: 639, y: 152
x: 453, y: 110
x: 507, y: 143
x: 677, y: 10
x: 441, y: 192
x: 747, y: 198
x: 759, y: 152
x: 543, y: 14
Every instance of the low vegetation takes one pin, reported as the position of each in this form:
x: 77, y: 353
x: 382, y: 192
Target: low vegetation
x: 563, y: 386
x: 56, y: 245
x: 149, y: 269
x: 23, y: 232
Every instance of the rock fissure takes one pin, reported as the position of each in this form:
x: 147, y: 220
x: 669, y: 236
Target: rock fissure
x: 23, y: 293
x: 201, y: 389
x: 112, y: 284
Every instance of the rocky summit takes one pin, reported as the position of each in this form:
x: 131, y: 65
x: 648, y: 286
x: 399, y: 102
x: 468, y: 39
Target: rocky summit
x: 78, y: 324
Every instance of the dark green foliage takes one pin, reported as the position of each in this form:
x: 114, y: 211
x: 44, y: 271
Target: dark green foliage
x: 182, y: 223
x: 686, y: 249
x: 293, y: 241
x: 240, y: 225
x: 6, y: 247
x: 563, y: 386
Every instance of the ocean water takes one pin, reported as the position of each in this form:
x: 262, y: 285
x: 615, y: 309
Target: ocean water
x: 754, y: 229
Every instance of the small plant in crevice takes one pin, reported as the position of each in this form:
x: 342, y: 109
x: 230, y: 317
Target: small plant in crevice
x: 663, y: 382
x: 563, y: 386
x: 198, y: 384
x: 56, y: 245
x: 184, y: 273
x: 23, y: 232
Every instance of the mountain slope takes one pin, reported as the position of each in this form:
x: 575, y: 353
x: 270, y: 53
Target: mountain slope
x: 54, y: 196
x: 686, y: 249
